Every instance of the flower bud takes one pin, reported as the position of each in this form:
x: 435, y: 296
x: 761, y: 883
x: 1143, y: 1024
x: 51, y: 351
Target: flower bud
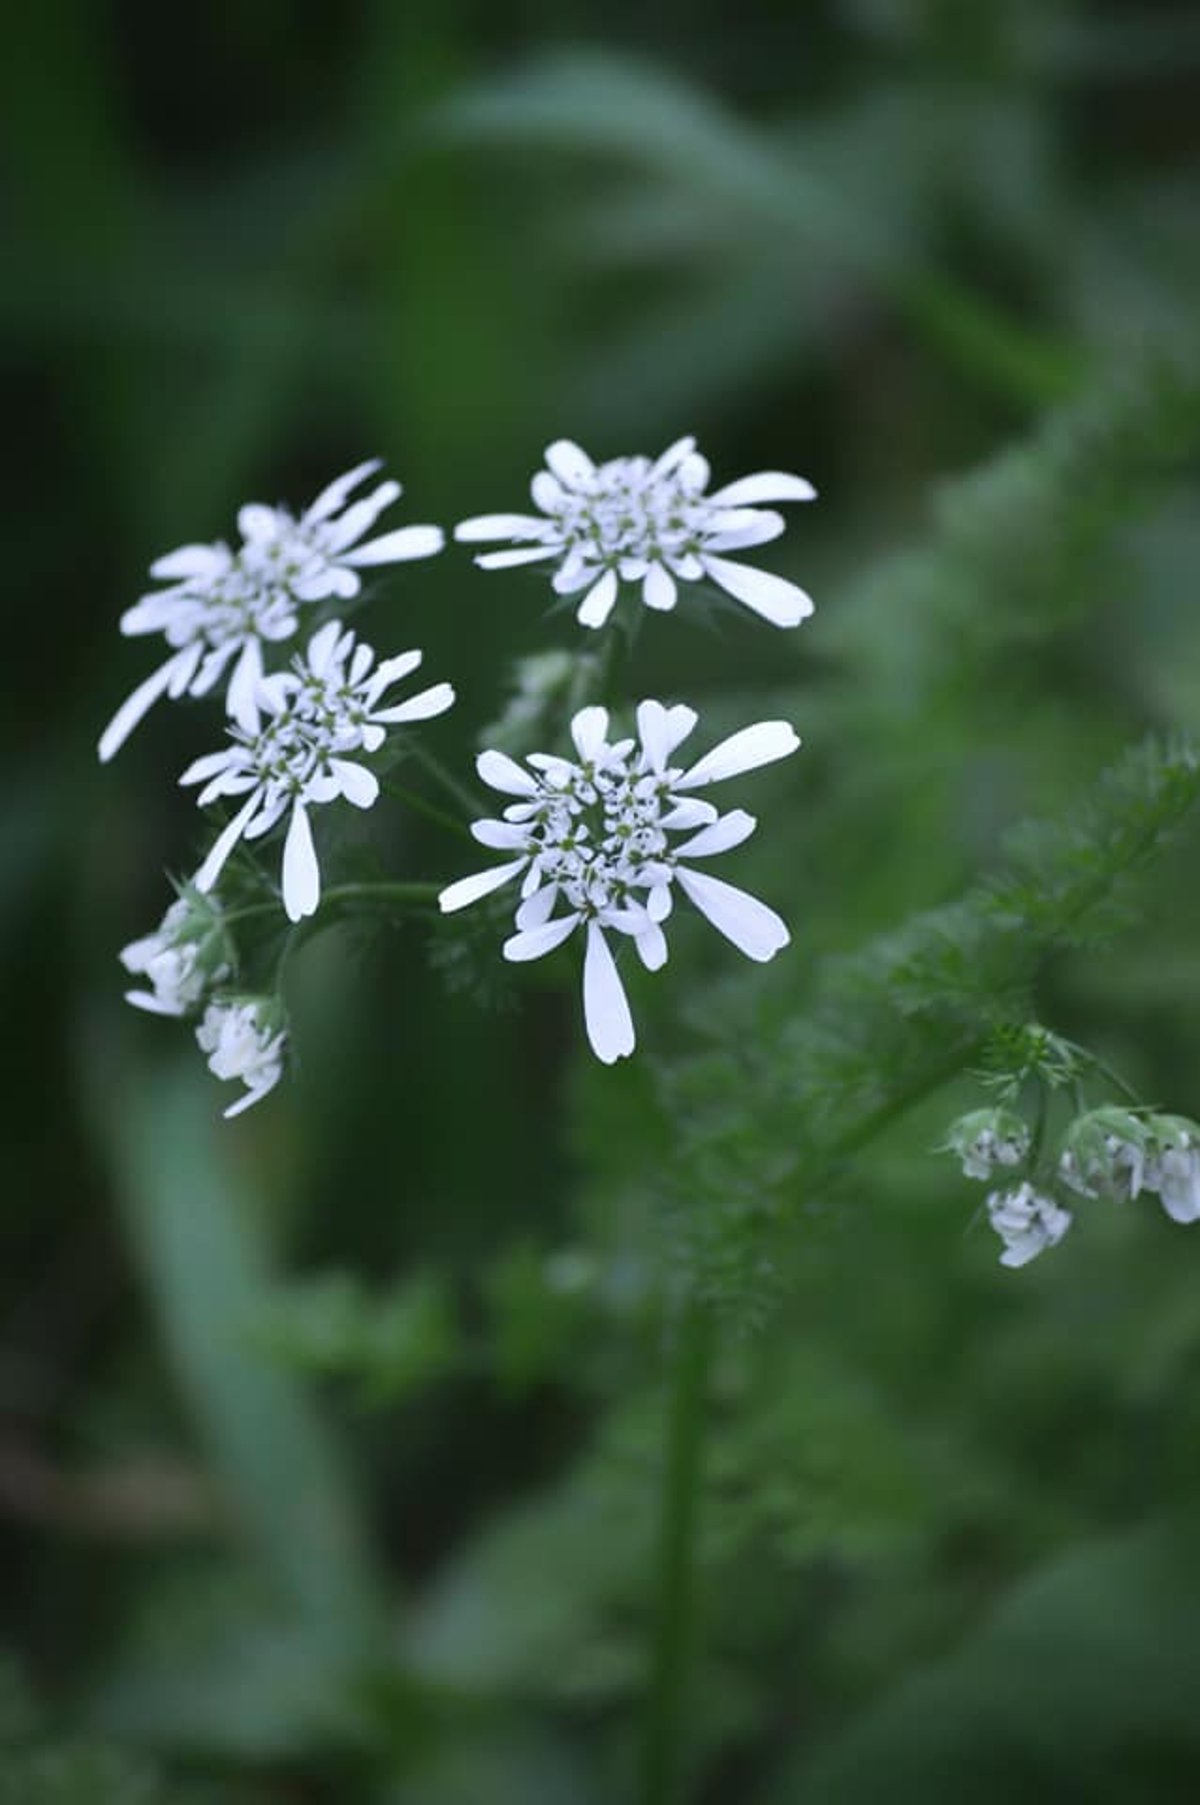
x: 1027, y: 1222
x: 987, y: 1140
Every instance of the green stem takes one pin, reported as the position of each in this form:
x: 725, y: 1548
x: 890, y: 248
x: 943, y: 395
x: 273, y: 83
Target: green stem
x: 412, y: 801
x: 449, y: 783
x: 385, y: 890
x: 674, y: 1634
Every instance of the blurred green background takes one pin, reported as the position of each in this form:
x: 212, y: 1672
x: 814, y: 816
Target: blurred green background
x: 329, y: 1439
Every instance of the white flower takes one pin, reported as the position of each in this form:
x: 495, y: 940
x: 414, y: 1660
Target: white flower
x: 1027, y: 1222
x: 596, y: 836
x: 635, y: 521
x: 243, y: 1041
x: 181, y: 959
x: 295, y: 746
x: 1177, y: 1181
x: 222, y: 605
x: 986, y: 1139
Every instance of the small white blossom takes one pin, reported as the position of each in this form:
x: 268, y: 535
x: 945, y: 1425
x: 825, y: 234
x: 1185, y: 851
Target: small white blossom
x: 221, y: 605
x: 632, y: 520
x: 1177, y: 1180
x: 1027, y: 1222
x: 295, y: 746
x: 243, y: 1041
x: 181, y: 959
x: 595, y: 834
x: 987, y: 1139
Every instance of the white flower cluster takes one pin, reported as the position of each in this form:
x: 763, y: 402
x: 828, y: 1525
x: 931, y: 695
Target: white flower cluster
x: 294, y: 746
x: 1027, y: 1222
x: 1115, y: 1153
x: 221, y: 606
x: 593, y: 841
x: 243, y: 1039
x: 632, y: 520
x: 600, y: 842
x: 988, y: 1140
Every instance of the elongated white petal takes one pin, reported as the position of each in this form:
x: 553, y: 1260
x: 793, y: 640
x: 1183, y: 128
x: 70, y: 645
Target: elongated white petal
x: 251, y: 1097
x: 322, y: 647
x: 504, y: 560
x: 224, y: 844
x: 753, y: 928
x: 258, y: 523
x: 140, y: 703
x: 301, y: 873
x: 535, y: 942
x: 672, y: 457
x: 693, y: 473
x: 569, y: 462
x: 605, y: 1005
x: 421, y: 707
x: 658, y: 589
x: 500, y: 772
x: 784, y: 604
x: 597, y: 604
x: 499, y: 526
x: 499, y: 835
x: 467, y: 890
x: 534, y: 910
x: 334, y: 494
x: 749, y: 529
x: 693, y: 811
x: 240, y: 697
x: 325, y: 580
x: 766, y: 485
x: 745, y: 750
x: 729, y: 831
x: 662, y: 729
x: 390, y: 671
x: 203, y: 561
x: 201, y: 769
x: 358, y: 518
x: 588, y: 730
x: 651, y: 947
x: 394, y: 548
x: 359, y: 786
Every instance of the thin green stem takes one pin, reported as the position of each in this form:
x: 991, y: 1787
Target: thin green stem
x: 673, y: 1650
x: 449, y: 783
x: 1114, y: 1078
x: 384, y: 890
x: 412, y: 801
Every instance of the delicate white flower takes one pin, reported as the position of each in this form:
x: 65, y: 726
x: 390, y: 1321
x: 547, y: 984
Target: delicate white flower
x: 1177, y: 1180
x: 294, y: 746
x: 222, y: 605
x: 1027, y: 1222
x: 595, y: 834
x: 636, y: 521
x: 243, y: 1040
x: 183, y: 957
x: 986, y: 1139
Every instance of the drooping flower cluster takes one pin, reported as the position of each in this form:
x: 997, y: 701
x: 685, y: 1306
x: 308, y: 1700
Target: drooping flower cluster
x: 1027, y: 1222
x: 599, y: 842
x: 243, y: 1038
x: 221, y: 607
x: 653, y: 523
x: 295, y: 747
x: 1112, y: 1153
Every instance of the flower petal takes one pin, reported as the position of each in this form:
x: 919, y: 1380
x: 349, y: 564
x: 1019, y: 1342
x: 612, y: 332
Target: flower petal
x: 597, y: 604
x: 334, y: 494
x: 741, y: 528
x: 662, y: 729
x: 569, y: 462
x: 421, y: 707
x: 499, y: 526
x: 301, y: 873
x: 394, y: 548
x: 658, y: 589
x: 359, y: 786
x: 467, y: 890
x: 533, y: 943
x: 499, y: 835
x: 537, y: 908
x: 753, y: 928
x: 766, y: 485
x: 140, y: 703
x: 588, y: 730
x: 784, y: 604
x: 760, y: 744
x: 651, y: 947
x: 224, y: 844
x: 500, y: 772
x: 506, y: 559
x: 719, y: 836
x: 205, y: 561
x: 605, y: 1005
